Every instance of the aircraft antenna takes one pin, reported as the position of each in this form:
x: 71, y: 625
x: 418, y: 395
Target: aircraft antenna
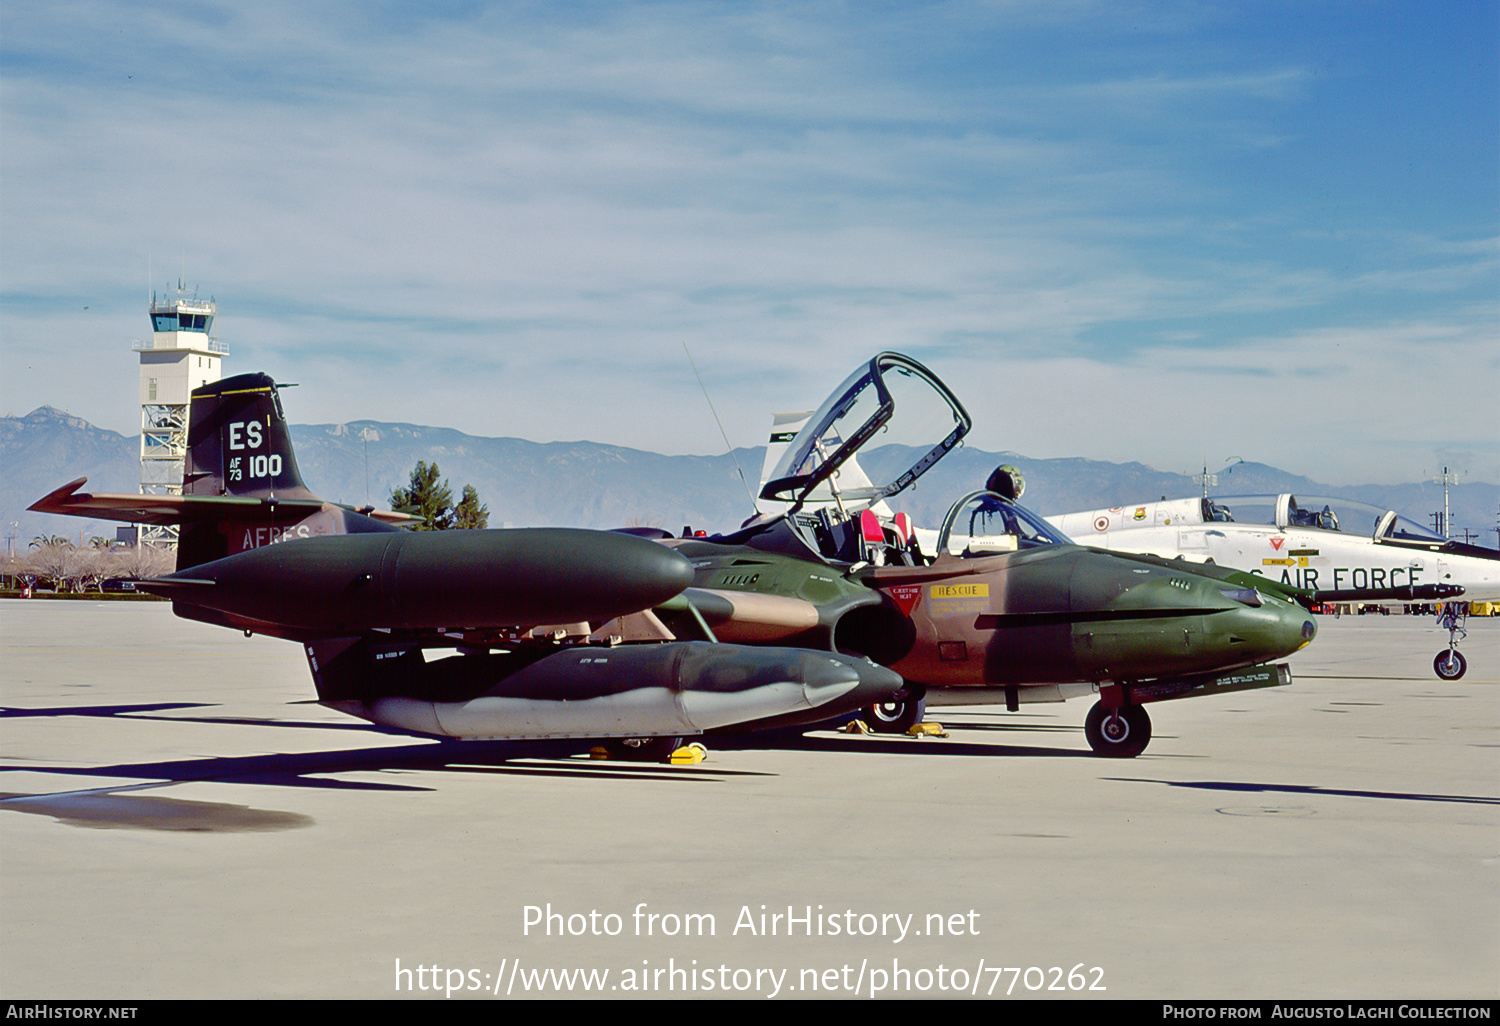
x: 722, y: 432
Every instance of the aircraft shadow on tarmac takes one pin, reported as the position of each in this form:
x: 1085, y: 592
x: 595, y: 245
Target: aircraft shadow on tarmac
x: 106, y: 806
x: 115, y: 807
x: 111, y: 809
x: 111, y: 806
x: 142, y: 711
x: 1309, y: 790
x: 886, y: 745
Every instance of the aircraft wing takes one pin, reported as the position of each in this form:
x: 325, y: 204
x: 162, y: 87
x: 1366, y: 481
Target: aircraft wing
x: 174, y: 509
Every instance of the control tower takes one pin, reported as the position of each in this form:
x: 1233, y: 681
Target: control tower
x: 179, y: 357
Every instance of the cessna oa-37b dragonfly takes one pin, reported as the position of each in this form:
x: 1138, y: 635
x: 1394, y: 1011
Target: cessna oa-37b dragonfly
x: 1005, y: 609
x: 537, y: 620
x: 1317, y: 550
x: 565, y: 633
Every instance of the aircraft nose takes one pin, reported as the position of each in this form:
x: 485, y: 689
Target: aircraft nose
x: 1271, y: 628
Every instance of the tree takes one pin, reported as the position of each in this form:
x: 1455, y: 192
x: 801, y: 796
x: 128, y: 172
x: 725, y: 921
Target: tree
x: 470, y: 513
x: 428, y: 496
x: 56, y: 560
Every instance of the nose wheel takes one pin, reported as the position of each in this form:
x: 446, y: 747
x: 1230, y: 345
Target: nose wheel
x: 1450, y: 665
x: 1121, y: 733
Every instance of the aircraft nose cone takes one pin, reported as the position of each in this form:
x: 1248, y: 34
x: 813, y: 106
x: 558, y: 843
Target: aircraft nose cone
x: 853, y: 681
x: 1274, y: 630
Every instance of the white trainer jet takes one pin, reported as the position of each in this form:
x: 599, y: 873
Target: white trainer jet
x: 1332, y: 550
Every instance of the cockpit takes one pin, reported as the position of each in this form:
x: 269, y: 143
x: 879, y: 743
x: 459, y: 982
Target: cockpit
x: 1216, y: 513
x: 1320, y: 513
x: 983, y: 523
x: 1324, y: 519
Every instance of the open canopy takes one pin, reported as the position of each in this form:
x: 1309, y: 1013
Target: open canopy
x: 893, y: 413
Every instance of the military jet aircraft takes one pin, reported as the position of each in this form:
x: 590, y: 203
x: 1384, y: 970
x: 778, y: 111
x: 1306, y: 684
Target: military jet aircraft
x: 1319, y: 549
x: 1005, y: 608
x: 549, y: 632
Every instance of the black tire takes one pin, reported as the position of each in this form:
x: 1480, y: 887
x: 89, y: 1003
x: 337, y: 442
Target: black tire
x: 896, y: 717
x: 1121, y: 733
x: 642, y: 749
x: 1450, y: 664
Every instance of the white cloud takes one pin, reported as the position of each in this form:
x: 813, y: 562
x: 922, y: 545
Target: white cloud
x: 510, y: 222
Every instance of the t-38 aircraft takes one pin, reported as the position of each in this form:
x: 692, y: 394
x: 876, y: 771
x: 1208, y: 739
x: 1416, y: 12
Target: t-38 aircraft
x: 1319, y: 549
x: 548, y: 632
x: 1004, y: 608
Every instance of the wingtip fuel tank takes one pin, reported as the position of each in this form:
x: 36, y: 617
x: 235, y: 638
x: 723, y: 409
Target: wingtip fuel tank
x: 348, y: 584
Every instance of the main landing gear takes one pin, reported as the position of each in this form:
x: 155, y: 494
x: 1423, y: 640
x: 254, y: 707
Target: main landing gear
x: 1121, y: 733
x: 896, y: 716
x: 1450, y: 665
x: 642, y: 749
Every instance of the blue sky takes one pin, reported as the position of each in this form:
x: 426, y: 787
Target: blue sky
x: 1169, y: 232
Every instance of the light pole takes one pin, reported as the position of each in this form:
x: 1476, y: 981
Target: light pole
x: 1445, y: 479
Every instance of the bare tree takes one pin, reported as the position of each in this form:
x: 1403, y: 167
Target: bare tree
x: 50, y: 560
x: 140, y: 561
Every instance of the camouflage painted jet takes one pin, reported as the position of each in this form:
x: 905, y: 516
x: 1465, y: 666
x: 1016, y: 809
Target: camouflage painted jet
x: 1317, y: 549
x: 548, y: 632
x: 1005, y: 608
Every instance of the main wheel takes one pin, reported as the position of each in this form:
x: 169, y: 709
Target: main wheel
x: 643, y: 749
x: 1121, y: 733
x: 896, y: 717
x: 1450, y: 665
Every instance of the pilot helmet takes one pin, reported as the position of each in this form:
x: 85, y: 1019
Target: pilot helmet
x: 1006, y: 480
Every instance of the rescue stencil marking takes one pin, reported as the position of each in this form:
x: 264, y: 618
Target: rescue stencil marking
x: 953, y: 591
x: 958, y: 599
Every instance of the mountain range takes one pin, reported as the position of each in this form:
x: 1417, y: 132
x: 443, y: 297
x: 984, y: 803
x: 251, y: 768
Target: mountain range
x: 590, y: 484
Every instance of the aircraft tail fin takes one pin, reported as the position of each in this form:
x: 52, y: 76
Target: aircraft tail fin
x: 241, y: 488
x: 238, y: 442
x: 239, y: 451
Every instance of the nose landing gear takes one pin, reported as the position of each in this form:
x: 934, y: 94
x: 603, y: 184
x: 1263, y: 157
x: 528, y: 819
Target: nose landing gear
x: 1121, y: 733
x: 1450, y: 665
